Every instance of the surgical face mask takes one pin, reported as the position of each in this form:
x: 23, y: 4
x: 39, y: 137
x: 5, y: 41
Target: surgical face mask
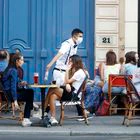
x: 79, y: 40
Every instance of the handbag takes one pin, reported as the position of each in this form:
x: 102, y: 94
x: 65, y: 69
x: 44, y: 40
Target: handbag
x: 103, y: 109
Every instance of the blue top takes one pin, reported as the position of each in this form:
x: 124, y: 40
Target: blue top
x: 3, y: 65
x: 129, y: 69
x: 10, y: 81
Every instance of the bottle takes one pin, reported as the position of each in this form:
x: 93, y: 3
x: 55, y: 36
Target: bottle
x: 46, y: 76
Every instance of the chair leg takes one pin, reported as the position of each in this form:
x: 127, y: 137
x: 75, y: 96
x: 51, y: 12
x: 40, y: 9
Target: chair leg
x: 129, y: 115
x: 125, y: 117
x: 84, y: 112
x: 13, y: 110
x: 61, y: 115
x: 126, y: 104
x: 21, y: 116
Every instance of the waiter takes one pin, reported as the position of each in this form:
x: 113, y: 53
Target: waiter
x: 67, y: 49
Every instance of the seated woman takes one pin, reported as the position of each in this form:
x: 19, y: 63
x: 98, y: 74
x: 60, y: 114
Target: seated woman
x: 131, y: 60
x: 14, y: 87
x: 110, y: 67
x: 93, y: 92
x: 74, y: 77
x: 130, y: 68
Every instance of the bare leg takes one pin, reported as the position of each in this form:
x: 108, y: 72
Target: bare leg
x: 50, y: 92
x: 48, y: 98
x: 55, y: 96
x: 57, y: 91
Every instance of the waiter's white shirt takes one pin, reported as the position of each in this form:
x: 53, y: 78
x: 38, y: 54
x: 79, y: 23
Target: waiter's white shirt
x: 66, y: 47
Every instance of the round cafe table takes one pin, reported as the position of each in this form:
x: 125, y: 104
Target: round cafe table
x: 42, y: 88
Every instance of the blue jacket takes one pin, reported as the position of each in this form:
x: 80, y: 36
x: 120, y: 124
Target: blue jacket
x: 10, y: 82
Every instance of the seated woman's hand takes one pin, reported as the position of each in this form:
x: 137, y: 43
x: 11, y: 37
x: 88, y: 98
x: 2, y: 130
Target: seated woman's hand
x: 16, y: 105
x: 68, y: 87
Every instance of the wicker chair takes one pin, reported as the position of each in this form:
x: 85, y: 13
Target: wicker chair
x: 80, y: 101
x: 6, y: 105
x: 133, y: 99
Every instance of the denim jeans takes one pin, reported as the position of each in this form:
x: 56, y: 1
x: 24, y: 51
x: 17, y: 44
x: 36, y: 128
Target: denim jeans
x: 114, y: 89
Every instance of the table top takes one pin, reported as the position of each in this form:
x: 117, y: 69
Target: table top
x: 42, y: 86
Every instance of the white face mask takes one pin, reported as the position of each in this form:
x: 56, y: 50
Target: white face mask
x: 79, y: 40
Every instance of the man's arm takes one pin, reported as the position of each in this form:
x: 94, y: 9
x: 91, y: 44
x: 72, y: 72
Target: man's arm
x: 53, y: 60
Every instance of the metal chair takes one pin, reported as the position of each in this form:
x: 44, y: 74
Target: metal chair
x: 133, y: 99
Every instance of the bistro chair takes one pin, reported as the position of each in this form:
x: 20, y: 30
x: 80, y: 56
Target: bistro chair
x: 133, y: 99
x: 6, y: 105
x: 74, y: 101
x: 115, y: 80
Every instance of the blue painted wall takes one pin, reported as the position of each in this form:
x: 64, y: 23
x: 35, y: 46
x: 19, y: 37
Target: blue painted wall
x: 37, y: 27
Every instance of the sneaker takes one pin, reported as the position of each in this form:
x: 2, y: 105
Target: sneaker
x: 26, y: 122
x: 38, y: 114
x: 90, y: 116
x: 45, y: 114
x: 36, y: 106
x: 53, y: 121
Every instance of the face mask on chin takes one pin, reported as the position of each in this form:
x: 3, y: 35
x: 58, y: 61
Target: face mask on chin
x: 79, y: 40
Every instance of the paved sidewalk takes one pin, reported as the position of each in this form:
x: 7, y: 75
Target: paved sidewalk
x: 108, y: 125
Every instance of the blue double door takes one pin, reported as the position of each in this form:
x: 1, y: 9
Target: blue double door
x: 37, y: 27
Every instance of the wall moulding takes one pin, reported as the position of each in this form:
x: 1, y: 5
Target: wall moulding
x: 107, y: 1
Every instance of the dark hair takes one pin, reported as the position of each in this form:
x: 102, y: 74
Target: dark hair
x: 13, y: 58
x: 111, y: 58
x: 130, y: 57
x: 3, y: 54
x: 76, y: 64
x: 121, y: 60
x: 76, y: 31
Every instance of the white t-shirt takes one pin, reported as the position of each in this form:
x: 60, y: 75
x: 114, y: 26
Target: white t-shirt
x: 111, y: 69
x: 67, y: 49
x: 79, y: 76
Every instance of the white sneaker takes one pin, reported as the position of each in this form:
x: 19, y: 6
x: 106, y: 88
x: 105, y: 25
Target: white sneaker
x: 53, y: 121
x: 26, y: 122
x: 36, y: 106
x: 38, y: 114
x: 82, y: 119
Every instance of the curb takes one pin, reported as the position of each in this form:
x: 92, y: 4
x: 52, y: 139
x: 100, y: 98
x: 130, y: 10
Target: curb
x: 65, y: 133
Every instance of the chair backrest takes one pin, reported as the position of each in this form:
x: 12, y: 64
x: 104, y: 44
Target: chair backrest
x: 116, y: 80
x: 132, y: 92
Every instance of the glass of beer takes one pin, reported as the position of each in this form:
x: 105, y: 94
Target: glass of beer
x: 36, y: 78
